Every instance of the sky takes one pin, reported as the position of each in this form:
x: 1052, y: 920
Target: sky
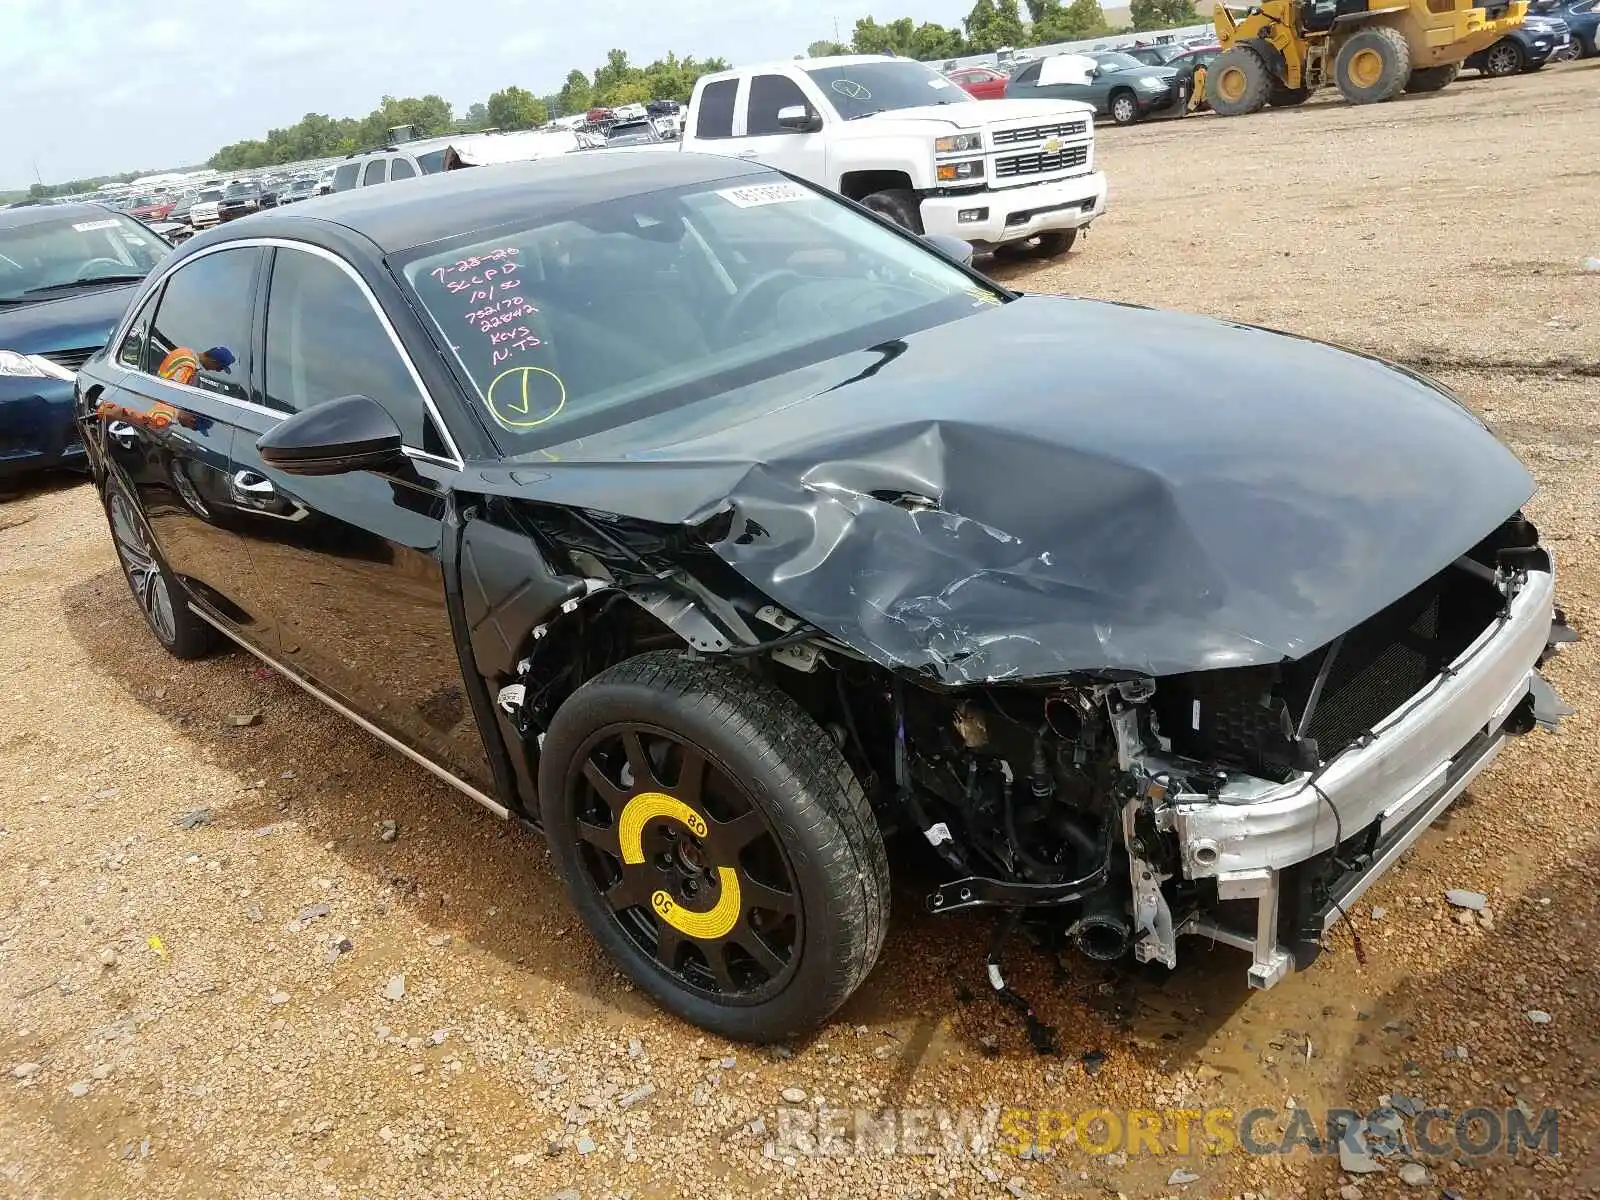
x: 93, y: 87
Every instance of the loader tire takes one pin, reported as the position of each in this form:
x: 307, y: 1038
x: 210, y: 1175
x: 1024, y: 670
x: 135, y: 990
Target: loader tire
x: 1373, y: 65
x: 1237, y: 83
x: 1433, y: 79
x: 1287, y: 97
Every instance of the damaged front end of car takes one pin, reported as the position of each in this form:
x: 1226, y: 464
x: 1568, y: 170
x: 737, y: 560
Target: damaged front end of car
x: 1142, y: 660
x: 1249, y: 806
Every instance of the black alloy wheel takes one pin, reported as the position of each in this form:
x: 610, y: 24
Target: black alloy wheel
x: 160, y: 597
x: 716, y: 844
x: 688, y: 866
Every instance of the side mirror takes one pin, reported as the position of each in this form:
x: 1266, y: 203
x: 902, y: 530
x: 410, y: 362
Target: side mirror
x: 352, y: 433
x: 799, y: 119
x: 950, y: 247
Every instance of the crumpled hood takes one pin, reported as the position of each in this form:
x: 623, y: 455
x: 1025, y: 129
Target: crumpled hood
x: 1063, y: 485
x: 71, y: 321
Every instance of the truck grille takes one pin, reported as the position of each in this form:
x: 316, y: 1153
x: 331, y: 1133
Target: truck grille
x: 1037, y: 133
x: 1040, y: 162
x: 70, y: 360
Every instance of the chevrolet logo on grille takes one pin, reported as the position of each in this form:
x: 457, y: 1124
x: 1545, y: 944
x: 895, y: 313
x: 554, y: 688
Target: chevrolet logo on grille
x: 1051, y: 145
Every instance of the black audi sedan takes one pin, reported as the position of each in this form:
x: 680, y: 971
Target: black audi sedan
x: 717, y: 528
x: 67, y: 272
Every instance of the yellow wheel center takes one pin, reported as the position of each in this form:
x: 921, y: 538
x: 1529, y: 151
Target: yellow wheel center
x: 1366, y: 68
x: 714, y: 922
x: 1231, y: 83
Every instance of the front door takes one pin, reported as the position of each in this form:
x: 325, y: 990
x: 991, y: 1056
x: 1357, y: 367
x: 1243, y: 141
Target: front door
x: 350, y: 566
x: 766, y: 141
x: 169, y: 424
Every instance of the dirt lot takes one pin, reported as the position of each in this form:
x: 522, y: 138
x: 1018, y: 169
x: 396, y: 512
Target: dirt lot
x: 171, y: 1025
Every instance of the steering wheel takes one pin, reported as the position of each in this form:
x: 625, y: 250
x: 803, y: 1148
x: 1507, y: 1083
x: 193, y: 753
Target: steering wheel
x: 117, y: 268
x: 762, y: 286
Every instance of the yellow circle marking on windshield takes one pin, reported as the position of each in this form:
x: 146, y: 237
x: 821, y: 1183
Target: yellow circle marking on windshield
x: 646, y: 807
x: 714, y: 922
x: 519, y: 398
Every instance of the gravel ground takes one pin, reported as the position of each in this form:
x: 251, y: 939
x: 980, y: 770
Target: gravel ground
x: 218, y: 976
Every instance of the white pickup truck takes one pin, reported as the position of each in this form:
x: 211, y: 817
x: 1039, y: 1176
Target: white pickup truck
x: 904, y: 141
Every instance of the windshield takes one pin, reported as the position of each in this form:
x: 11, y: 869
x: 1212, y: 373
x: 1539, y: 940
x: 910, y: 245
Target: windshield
x: 648, y: 303
x: 210, y: 195
x: 76, y: 249
x: 239, y: 190
x: 861, y: 89
x: 302, y: 185
x: 1119, y: 62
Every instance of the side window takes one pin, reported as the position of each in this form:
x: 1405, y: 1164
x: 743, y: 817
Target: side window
x: 715, y: 119
x: 768, y: 94
x: 325, y: 341
x: 1028, y: 74
x: 374, y: 172
x: 346, y: 176
x: 201, y: 332
x: 401, y: 168
x: 131, y: 353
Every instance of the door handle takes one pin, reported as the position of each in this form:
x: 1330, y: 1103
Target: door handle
x: 253, y: 489
x: 123, y: 434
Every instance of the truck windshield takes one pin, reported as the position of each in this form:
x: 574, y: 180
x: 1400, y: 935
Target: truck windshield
x: 645, y: 304
x: 861, y: 89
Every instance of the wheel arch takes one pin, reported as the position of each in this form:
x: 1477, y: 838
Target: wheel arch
x: 856, y: 185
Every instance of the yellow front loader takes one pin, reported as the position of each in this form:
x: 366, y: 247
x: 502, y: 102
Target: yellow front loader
x: 1372, y: 50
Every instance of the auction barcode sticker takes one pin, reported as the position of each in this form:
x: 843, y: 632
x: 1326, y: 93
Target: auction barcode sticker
x: 87, y: 226
x: 757, y: 194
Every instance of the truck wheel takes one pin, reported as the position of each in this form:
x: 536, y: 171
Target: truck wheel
x: 1237, y: 83
x: 1124, y: 107
x: 899, y: 205
x: 1287, y: 97
x: 715, y: 843
x: 1373, y: 65
x: 1433, y: 79
x: 1503, y: 58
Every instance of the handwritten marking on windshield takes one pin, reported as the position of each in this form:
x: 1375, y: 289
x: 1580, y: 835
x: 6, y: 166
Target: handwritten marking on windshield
x: 526, y: 397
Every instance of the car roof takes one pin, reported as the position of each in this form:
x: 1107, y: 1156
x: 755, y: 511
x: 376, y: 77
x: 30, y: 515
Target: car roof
x: 415, y: 212
x: 39, y: 214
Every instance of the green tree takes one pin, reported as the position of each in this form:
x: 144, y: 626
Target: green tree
x: 825, y: 48
x: 992, y: 24
x: 1162, y: 14
x: 477, y: 116
x: 514, y: 108
x: 931, y: 42
x: 1080, y: 19
x: 577, y: 94
x: 893, y: 38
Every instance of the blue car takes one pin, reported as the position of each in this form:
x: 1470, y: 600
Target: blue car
x: 1582, y: 18
x: 1542, y: 37
x: 67, y: 272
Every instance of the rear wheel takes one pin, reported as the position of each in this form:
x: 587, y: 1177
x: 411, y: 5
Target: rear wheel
x: 1237, y: 83
x: 1124, y: 108
x: 159, y: 595
x: 1503, y: 58
x: 715, y: 843
x: 899, y: 205
x: 1433, y: 79
x: 1373, y: 65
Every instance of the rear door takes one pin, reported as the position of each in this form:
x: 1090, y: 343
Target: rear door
x: 170, y: 422
x: 350, y: 567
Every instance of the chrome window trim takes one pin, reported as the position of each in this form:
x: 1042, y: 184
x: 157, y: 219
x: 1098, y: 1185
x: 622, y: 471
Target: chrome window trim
x: 416, y: 756
x: 167, y: 271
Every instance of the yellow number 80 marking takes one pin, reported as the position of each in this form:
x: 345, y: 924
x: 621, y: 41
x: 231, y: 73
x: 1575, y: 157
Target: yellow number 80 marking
x: 519, y: 398
x: 716, y: 921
